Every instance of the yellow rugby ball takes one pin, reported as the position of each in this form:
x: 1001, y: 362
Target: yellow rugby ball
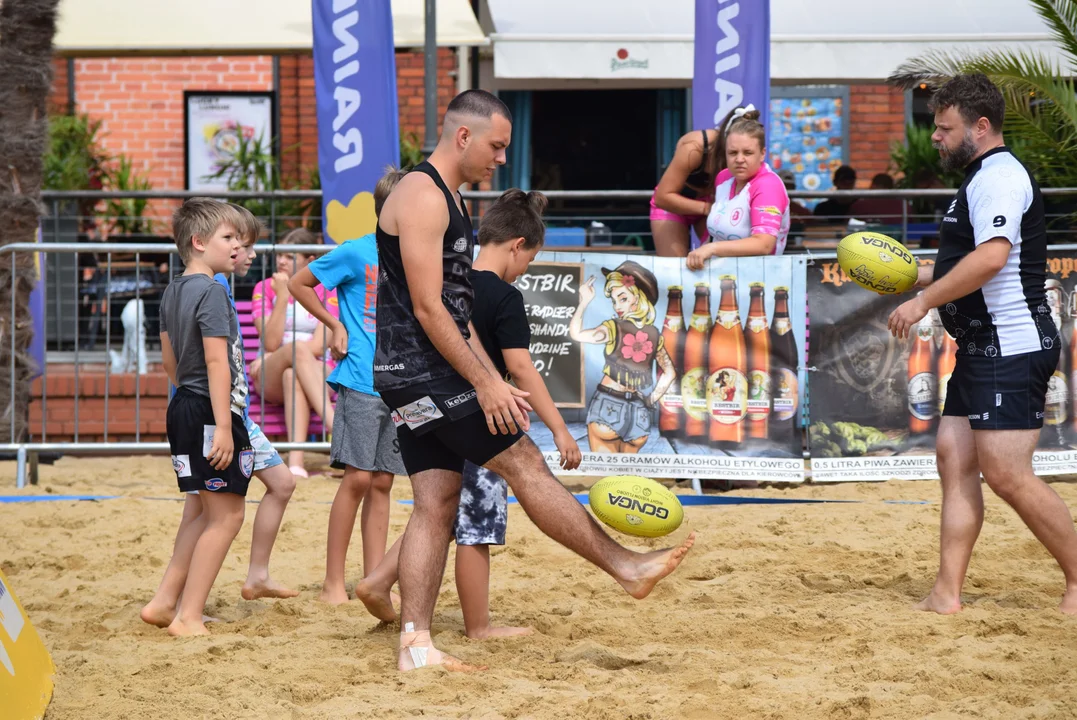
x: 877, y: 262
x: 636, y: 506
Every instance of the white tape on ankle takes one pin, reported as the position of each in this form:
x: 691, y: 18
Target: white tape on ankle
x: 418, y: 656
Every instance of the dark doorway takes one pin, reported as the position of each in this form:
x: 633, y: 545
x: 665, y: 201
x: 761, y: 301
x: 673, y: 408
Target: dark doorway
x: 593, y: 139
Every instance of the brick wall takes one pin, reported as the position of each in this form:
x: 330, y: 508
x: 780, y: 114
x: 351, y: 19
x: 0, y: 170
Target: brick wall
x: 58, y: 97
x: 876, y: 122
x: 409, y: 84
x: 59, y: 406
x: 299, y: 131
x: 298, y: 117
x: 140, y: 101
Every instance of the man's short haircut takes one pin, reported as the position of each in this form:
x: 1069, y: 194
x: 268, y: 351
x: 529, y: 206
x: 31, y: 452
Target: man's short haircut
x: 478, y: 103
x: 202, y: 217
x: 385, y: 186
x: 251, y: 229
x: 974, y: 96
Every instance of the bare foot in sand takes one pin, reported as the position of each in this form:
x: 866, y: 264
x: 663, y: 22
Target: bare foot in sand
x: 655, y: 566
x: 407, y: 661
x: 162, y: 617
x: 1069, y: 601
x: 378, y: 602
x: 158, y: 615
x: 491, y: 633
x: 939, y: 603
x: 178, y: 628
x: 334, y: 596
x: 268, y: 588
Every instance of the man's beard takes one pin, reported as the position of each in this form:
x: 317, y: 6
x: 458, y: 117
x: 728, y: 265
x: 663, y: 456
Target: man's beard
x: 960, y: 156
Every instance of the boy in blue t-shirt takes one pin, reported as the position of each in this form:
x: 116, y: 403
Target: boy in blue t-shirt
x: 364, y: 440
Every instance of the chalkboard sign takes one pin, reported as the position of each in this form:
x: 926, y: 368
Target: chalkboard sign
x: 551, y: 294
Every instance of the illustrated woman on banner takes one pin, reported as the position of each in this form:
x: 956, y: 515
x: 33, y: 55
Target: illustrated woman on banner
x: 621, y: 411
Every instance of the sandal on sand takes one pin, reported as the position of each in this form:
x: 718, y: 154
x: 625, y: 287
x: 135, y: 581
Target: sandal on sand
x: 299, y: 471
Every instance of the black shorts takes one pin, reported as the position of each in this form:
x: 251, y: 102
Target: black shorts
x: 191, y: 426
x: 440, y: 426
x: 1001, y: 393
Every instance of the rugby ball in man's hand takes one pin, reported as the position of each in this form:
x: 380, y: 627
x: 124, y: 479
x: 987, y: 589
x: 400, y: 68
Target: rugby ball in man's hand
x: 636, y: 506
x: 877, y: 262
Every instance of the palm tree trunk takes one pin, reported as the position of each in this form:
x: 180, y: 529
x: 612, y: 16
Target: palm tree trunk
x: 27, y: 28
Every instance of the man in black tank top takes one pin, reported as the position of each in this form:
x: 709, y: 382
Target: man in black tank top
x: 450, y: 404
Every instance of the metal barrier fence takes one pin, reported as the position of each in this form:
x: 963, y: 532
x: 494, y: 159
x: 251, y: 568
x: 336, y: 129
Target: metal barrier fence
x: 621, y: 216
x: 81, y: 359
x: 80, y: 322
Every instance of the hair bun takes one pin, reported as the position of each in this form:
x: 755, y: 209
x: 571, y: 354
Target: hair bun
x: 537, y: 201
x: 751, y: 115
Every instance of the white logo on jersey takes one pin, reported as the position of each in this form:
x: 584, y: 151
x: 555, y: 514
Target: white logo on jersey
x: 953, y: 206
x: 460, y: 245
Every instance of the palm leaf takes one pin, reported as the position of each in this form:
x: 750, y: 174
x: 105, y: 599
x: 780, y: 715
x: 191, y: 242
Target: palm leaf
x: 1061, y: 18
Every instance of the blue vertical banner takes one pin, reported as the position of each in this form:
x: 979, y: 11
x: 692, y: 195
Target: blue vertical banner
x: 358, y: 123
x: 732, y: 59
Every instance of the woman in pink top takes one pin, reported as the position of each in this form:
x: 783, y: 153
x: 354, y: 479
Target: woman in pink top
x: 750, y: 213
x: 294, y: 341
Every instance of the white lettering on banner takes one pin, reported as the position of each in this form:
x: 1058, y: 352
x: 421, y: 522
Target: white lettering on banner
x: 918, y: 467
x: 700, y: 466
x: 878, y: 469
x: 350, y: 143
x: 545, y: 283
x: 730, y: 93
x: 546, y: 311
x: 548, y: 349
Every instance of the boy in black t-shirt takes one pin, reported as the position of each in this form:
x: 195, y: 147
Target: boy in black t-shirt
x: 511, y: 234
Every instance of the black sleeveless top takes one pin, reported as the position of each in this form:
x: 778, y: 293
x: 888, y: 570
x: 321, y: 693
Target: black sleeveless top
x: 404, y: 354
x: 698, y: 178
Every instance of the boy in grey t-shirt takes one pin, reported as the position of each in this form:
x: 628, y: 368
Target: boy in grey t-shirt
x: 211, y: 451
x: 194, y: 307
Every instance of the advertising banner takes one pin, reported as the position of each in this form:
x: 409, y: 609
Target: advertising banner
x: 358, y: 125
x: 732, y: 59
x: 667, y: 372
x: 876, y: 401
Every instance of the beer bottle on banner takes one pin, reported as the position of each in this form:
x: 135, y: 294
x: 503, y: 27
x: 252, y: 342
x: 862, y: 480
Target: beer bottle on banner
x: 727, y: 386
x: 947, y: 362
x: 693, y: 382
x: 670, y: 407
x: 1072, y: 354
x: 784, y: 363
x: 922, y: 385
x: 757, y: 340
x: 1055, y: 407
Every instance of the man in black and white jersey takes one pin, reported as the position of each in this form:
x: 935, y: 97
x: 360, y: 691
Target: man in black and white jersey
x: 988, y: 284
x: 449, y: 402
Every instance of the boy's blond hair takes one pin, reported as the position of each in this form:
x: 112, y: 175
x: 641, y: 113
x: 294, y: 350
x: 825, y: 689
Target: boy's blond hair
x: 202, y: 217
x: 252, y: 228
x: 385, y: 186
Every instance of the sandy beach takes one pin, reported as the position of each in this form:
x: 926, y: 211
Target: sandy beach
x: 780, y: 611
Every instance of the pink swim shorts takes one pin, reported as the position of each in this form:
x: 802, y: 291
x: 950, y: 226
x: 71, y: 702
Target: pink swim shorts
x: 658, y: 213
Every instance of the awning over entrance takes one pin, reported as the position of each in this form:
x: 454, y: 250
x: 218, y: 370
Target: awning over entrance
x: 201, y: 27
x: 822, y: 40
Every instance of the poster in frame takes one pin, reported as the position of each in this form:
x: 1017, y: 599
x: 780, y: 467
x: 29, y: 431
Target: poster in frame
x: 213, y: 124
